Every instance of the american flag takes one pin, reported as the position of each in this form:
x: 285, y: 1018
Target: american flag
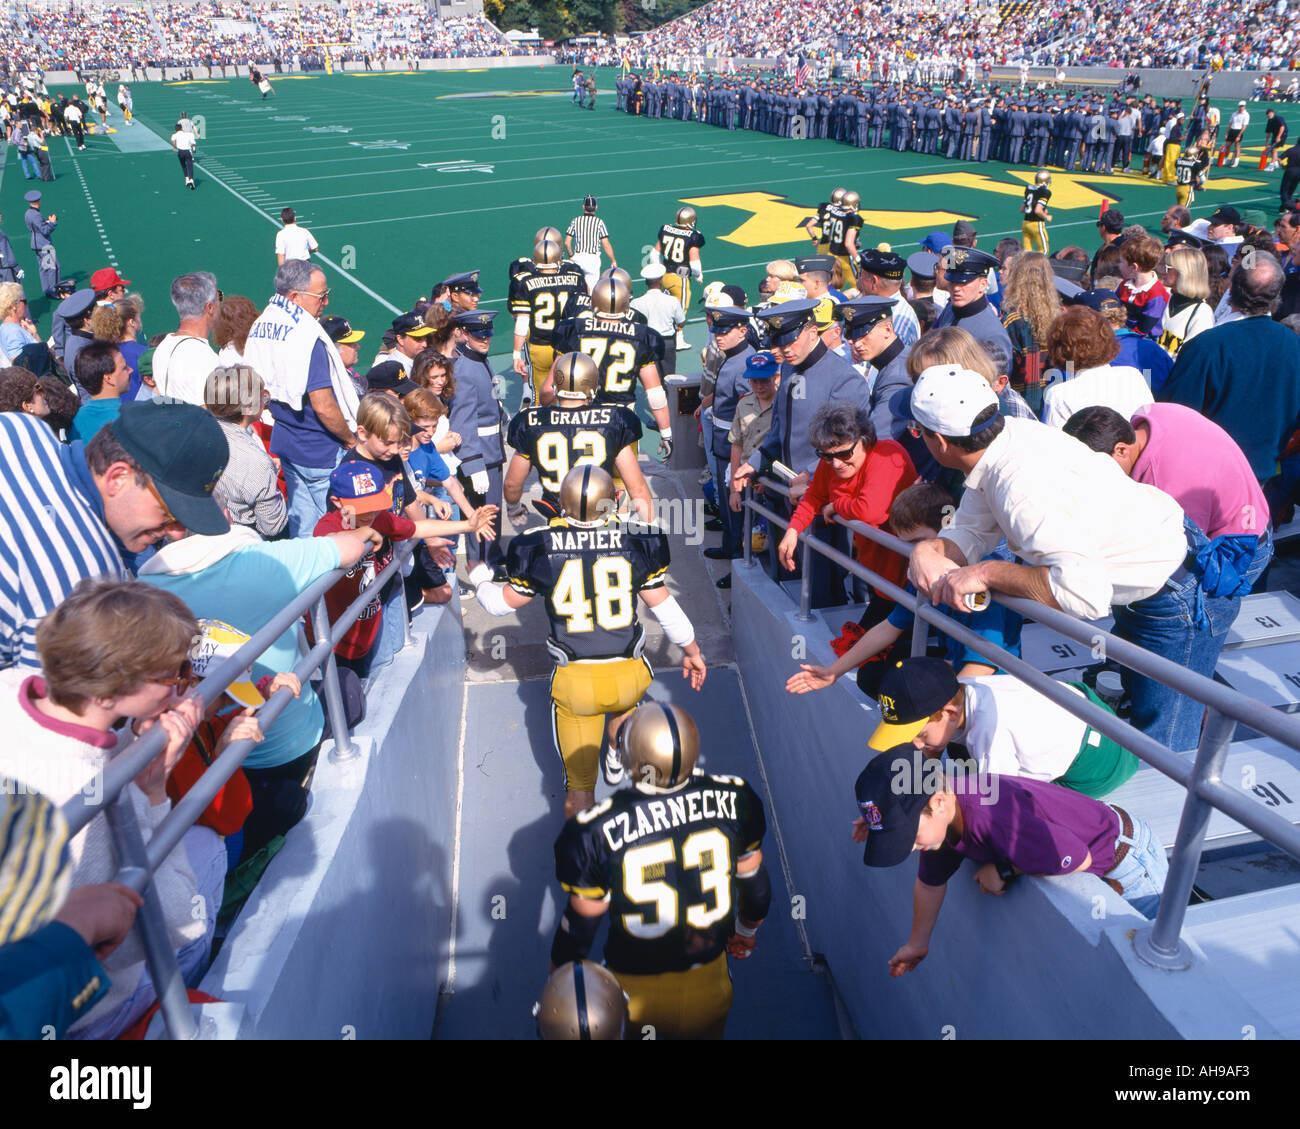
x: 801, y: 72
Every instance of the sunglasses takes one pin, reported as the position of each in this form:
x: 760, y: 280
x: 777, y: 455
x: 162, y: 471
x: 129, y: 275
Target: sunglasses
x: 914, y: 429
x: 182, y: 680
x: 841, y: 456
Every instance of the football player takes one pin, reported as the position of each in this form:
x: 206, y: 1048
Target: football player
x: 1034, y: 213
x: 581, y: 1002
x: 623, y: 349
x: 841, y: 229
x: 822, y: 240
x: 574, y: 432
x: 1189, y: 173
x: 678, y: 249
x: 676, y: 862
x: 590, y: 567
x: 541, y: 296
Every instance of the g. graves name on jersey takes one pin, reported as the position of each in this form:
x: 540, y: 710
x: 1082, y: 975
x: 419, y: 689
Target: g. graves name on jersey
x: 1035, y: 194
x: 556, y: 439
x: 836, y: 227
x: 677, y: 242
x: 590, y: 578
x: 547, y: 298
x: 620, y: 347
x: 667, y: 864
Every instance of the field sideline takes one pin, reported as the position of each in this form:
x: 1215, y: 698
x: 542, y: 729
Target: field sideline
x: 405, y: 179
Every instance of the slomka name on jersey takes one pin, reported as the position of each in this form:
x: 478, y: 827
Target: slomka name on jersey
x: 575, y: 540
x: 664, y: 815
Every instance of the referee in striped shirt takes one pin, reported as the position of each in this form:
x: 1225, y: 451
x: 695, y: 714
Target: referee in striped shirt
x: 591, y: 234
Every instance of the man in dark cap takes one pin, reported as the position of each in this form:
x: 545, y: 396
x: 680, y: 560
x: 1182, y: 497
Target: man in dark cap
x: 390, y: 378
x: 880, y: 275
x: 966, y: 270
x: 811, y: 376
x: 1110, y: 227
x: 463, y: 290
x: 477, y: 417
x: 74, y: 311
x: 729, y: 328
x: 145, y: 477
x: 815, y: 273
x: 340, y: 331
x: 411, y: 337
x: 41, y: 229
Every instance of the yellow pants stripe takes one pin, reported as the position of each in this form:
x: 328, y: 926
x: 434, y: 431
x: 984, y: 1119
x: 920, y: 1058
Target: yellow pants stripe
x: 540, y: 360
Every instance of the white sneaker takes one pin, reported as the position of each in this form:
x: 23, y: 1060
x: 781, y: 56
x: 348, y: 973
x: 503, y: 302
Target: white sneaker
x: 681, y: 342
x: 1236, y: 161
x: 613, y: 766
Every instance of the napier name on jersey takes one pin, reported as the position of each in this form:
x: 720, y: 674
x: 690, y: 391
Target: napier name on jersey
x: 668, y: 866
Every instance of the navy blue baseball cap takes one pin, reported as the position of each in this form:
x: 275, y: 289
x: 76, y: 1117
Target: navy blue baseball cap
x: 786, y: 321
x: 389, y: 376
x: 886, y: 264
x: 183, y: 449
x: 723, y: 318
x: 411, y: 325
x: 761, y: 366
x: 891, y: 798
x: 861, y: 315
x: 477, y: 323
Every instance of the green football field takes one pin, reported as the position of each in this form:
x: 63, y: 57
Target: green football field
x: 407, y: 178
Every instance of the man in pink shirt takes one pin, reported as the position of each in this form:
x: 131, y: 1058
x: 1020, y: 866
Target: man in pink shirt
x: 1202, y: 468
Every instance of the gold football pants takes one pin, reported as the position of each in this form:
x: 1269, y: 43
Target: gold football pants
x: 680, y: 1005
x: 1033, y: 235
x: 582, y: 693
x: 679, y: 286
x: 540, y: 360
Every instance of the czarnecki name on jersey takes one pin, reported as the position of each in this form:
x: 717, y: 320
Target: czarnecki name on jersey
x: 664, y: 815
x: 575, y: 540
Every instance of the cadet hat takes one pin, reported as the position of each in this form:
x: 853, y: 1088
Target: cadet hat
x: 477, y: 323
x: 359, y: 484
x: 806, y: 263
x: 1069, y: 291
x: 892, y: 797
x: 1072, y: 269
x: 183, y: 449
x: 340, y: 331
x: 761, y: 366
x: 76, y: 305
x: 34, y: 196
x: 723, y: 318
x: 653, y: 271
x: 1112, y: 220
x: 467, y: 282
x: 786, y: 321
x: 389, y: 376
x: 910, y: 693
x: 965, y: 264
x: 106, y: 278
x: 886, y: 264
x: 921, y: 264
x: 861, y: 315
x: 963, y: 227
x: 947, y: 398
x: 1225, y: 213
x: 410, y: 325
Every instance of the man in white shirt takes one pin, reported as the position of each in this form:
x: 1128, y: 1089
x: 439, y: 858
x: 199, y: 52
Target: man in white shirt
x: 1090, y: 542
x: 663, y: 313
x: 292, y: 241
x: 1236, y: 129
x: 183, y: 360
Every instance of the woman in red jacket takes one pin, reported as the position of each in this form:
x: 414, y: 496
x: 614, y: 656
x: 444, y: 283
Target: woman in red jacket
x: 857, y: 479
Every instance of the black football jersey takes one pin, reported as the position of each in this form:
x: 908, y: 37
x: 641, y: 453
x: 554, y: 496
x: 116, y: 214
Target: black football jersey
x: 667, y: 864
x: 620, y: 347
x: 556, y: 439
x: 1185, y: 170
x: 1035, y: 194
x: 590, y: 579
x: 837, y: 227
x: 547, y: 297
x: 677, y: 243
x: 822, y: 209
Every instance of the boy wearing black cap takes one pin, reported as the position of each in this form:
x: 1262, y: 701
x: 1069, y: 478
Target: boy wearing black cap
x: 1010, y: 826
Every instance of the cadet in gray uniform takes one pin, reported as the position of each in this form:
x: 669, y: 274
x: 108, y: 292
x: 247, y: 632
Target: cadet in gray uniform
x: 477, y: 417
x: 811, y: 375
x: 967, y: 272
x: 41, y: 228
x: 728, y: 326
x: 10, y: 271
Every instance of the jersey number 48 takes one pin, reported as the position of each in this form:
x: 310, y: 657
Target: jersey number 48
x: 610, y: 606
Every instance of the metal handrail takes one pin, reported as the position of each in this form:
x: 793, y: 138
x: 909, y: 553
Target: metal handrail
x: 1160, y: 944
x: 138, y: 861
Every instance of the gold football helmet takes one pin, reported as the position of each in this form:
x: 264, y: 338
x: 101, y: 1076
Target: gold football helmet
x: 1042, y: 176
x: 611, y: 296
x: 587, y: 494
x: 686, y: 216
x: 548, y: 235
x: 620, y: 274
x: 581, y: 1001
x: 659, y: 745
x: 575, y: 376
x: 837, y: 195
x: 548, y: 253
x: 851, y: 200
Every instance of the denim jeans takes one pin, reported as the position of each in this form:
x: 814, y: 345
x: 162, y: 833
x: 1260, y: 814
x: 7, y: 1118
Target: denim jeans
x: 30, y: 167
x: 306, y: 494
x: 1141, y: 873
x: 392, y: 627
x: 1167, y: 625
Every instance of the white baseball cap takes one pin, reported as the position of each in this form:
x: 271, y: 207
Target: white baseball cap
x: 947, y: 399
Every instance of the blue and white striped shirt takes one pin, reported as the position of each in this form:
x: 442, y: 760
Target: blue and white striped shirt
x: 52, y: 532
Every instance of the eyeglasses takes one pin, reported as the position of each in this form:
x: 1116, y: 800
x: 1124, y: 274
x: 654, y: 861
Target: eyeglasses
x: 183, y: 679
x: 311, y: 294
x: 168, y: 517
x: 841, y: 456
x: 915, y: 430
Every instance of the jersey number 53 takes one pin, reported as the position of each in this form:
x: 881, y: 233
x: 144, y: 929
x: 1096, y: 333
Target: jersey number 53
x: 707, y: 851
